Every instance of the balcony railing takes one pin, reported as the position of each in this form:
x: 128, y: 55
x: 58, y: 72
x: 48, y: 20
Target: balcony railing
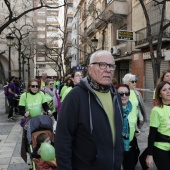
x: 117, y: 7
x: 83, y: 37
x: 142, y: 39
x: 91, y: 29
x: 84, y: 14
x: 99, y: 22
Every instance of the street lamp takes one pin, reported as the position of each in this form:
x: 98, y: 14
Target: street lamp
x: 94, y: 43
x: 9, y: 39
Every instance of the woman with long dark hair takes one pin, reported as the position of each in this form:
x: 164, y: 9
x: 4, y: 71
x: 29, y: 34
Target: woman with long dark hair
x: 159, y: 135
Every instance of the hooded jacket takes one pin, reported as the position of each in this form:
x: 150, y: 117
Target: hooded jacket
x: 83, y: 139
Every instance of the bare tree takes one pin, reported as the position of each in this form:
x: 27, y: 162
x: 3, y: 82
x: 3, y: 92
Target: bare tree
x: 156, y: 61
x: 12, y: 15
x: 20, y: 34
x: 27, y: 55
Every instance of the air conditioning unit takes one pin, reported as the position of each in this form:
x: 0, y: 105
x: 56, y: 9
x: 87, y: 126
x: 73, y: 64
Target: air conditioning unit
x: 115, y: 51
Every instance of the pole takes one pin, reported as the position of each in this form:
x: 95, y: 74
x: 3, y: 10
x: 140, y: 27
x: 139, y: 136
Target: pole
x: 23, y: 69
x: 9, y: 73
x: 19, y: 58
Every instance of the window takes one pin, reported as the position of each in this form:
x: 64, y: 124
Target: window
x: 52, y: 34
x: 40, y: 28
x: 70, y: 4
x: 53, y: 5
x: 49, y: 41
x: 41, y: 13
x: 108, y: 1
x: 52, y: 13
x: 40, y: 35
x: 41, y: 21
x: 40, y: 43
x: 51, y: 19
x: 41, y: 65
x: 52, y: 28
x: 70, y: 19
x: 52, y: 57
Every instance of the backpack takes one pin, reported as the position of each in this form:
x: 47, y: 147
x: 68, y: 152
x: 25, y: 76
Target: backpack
x: 6, y: 90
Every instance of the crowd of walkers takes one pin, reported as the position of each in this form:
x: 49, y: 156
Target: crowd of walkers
x: 98, y: 118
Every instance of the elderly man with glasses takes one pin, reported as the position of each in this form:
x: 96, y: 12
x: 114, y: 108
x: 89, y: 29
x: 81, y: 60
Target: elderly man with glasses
x: 89, y: 127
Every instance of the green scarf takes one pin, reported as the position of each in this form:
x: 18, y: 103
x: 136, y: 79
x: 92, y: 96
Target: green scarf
x: 126, y: 130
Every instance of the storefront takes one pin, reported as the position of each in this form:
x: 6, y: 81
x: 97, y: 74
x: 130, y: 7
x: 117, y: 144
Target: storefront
x: 149, y: 82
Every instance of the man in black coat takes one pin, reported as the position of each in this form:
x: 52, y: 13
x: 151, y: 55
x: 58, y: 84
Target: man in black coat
x: 89, y: 128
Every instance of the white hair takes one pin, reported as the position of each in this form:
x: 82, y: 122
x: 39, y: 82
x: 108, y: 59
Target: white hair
x: 99, y: 54
x: 126, y: 79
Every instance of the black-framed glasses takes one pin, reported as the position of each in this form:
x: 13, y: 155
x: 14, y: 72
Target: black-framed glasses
x: 78, y: 75
x: 51, y: 83
x: 103, y: 65
x: 33, y: 86
x: 126, y: 94
x: 133, y: 81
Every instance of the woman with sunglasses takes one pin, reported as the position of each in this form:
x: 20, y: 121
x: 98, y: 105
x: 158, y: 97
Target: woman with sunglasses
x: 159, y: 134
x: 52, y: 97
x: 33, y: 100
x: 131, y: 149
x: 136, y: 99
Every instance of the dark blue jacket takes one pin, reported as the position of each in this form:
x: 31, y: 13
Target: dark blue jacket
x: 12, y: 87
x: 83, y: 139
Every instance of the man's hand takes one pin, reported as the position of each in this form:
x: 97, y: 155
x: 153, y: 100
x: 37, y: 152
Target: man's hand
x: 149, y: 161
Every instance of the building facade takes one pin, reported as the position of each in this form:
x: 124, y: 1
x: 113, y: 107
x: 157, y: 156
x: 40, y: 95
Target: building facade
x: 68, y: 19
x: 120, y: 27
x: 47, y: 24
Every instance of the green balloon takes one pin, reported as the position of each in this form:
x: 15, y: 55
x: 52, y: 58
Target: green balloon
x: 35, y: 111
x: 47, y: 152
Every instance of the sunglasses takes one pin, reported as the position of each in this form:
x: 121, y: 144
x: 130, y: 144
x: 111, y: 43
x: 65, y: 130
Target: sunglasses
x: 33, y: 86
x: 133, y: 81
x: 51, y: 84
x: 126, y: 94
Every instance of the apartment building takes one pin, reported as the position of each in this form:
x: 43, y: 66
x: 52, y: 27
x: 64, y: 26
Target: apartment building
x: 100, y: 20
x: 68, y: 18
x: 46, y: 24
x: 141, y: 60
x: 120, y: 27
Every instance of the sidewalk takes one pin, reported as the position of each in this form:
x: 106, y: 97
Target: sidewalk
x: 11, y: 135
x: 143, y: 138
x: 10, y: 141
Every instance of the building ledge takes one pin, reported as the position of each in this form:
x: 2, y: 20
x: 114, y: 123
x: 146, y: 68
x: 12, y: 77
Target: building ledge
x: 122, y: 58
x: 144, y: 45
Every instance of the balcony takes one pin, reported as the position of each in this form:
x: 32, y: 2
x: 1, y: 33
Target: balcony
x: 116, y: 7
x: 52, y: 1
x: 84, y: 14
x: 92, y: 4
x: 142, y: 39
x: 91, y: 29
x: 68, y: 43
x: 83, y: 39
x: 99, y: 23
x: 68, y: 27
x: 70, y: 11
